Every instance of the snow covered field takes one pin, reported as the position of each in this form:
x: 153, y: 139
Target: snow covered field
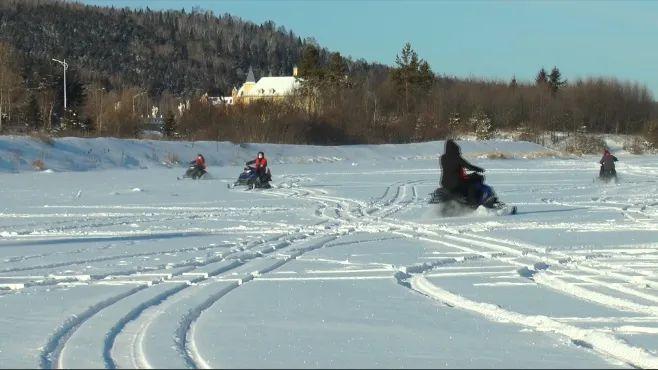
x: 342, y: 264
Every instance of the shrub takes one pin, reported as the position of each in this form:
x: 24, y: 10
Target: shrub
x: 497, y: 155
x: 172, y: 159
x: 637, y: 145
x: 586, y: 144
x: 43, y: 137
x: 651, y: 134
x: 38, y: 165
x: 482, y: 125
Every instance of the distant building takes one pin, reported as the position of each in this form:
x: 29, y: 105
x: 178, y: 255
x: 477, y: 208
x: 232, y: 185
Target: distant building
x: 272, y: 88
x: 216, y: 100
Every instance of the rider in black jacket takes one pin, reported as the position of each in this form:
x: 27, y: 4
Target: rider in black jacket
x: 453, y: 176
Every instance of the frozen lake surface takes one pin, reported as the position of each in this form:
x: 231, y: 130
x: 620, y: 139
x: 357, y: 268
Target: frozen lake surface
x: 342, y: 264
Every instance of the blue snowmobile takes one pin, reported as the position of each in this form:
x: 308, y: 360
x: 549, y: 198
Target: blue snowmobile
x: 250, y: 178
x: 455, y: 204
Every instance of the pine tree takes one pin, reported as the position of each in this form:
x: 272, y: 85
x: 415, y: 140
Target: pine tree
x: 337, y: 71
x: 309, y: 64
x: 425, y: 75
x: 410, y: 74
x: 542, y: 77
x: 170, y: 125
x: 513, y: 84
x: 555, y: 80
x: 312, y: 75
x: 33, y: 113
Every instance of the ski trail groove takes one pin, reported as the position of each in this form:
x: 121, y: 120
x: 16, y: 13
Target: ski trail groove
x: 605, y: 344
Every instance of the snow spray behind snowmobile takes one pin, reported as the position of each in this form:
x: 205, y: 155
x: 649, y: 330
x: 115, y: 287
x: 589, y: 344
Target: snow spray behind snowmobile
x: 455, y: 204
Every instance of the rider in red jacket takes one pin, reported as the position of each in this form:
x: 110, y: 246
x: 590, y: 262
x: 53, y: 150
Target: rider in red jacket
x: 260, y: 164
x: 200, y: 162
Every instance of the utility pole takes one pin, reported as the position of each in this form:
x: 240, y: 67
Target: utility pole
x: 100, y: 110
x: 66, y: 66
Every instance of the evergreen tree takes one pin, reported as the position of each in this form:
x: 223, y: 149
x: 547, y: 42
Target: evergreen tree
x: 337, y: 69
x: 425, y: 75
x: 312, y: 74
x: 33, y: 113
x: 542, y: 77
x: 309, y: 65
x: 410, y: 74
x: 404, y: 74
x: 555, y: 80
x: 513, y: 84
x: 170, y: 125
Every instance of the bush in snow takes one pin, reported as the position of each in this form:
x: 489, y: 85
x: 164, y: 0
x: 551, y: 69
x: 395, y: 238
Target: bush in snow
x: 651, y: 134
x: 584, y: 143
x: 172, y: 159
x: 38, y: 165
x: 524, y: 133
x: 637, y: 145
x: 43, y: 137
x: 454, y: 124
x: 482, y: 125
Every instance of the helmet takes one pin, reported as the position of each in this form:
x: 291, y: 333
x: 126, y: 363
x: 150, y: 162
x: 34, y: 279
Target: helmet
x: 261, y: 154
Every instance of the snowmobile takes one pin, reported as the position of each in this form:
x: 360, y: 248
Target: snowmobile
x: 454, y: 204
x: 250, y: 178
x: 194, y: 172
x: 607, y: 176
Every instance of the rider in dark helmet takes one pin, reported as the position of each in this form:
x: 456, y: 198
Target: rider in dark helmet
x: 259, y: 164
x: 453, y: 176
x: 608, y: 165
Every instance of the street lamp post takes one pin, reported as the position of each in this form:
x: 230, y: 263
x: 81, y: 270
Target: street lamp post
x: 66, y: 66
x: 100, y: 110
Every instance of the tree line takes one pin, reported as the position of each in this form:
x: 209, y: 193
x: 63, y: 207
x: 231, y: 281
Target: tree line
x: 409, y: 102
x: 124, y: 62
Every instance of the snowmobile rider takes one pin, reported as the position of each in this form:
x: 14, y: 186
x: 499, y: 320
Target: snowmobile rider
x: 199, y: 162
x: 453, y: 176
x: 259, y: 164
x: 608, y: 165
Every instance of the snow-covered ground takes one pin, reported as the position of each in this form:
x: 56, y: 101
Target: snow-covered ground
x: 19, y: 153
x: 342, y: 264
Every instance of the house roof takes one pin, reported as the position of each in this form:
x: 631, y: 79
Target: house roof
x: 271, y: 86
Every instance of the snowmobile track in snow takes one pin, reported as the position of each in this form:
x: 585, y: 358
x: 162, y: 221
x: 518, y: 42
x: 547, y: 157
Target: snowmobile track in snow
x: 189, y: 282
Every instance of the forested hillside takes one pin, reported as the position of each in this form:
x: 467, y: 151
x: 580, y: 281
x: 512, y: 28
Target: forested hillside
x: 173, y: 51
x: 124, y: 63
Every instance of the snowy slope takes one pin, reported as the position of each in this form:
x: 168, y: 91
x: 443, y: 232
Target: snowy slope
x: 339, y: 265
x: 79, y: 154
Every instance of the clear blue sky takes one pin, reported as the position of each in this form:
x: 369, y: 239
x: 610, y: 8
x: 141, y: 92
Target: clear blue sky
x: 491, y: 39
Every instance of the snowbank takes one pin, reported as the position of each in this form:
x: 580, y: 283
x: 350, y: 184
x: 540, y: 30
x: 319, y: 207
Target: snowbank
x: 22, y: 153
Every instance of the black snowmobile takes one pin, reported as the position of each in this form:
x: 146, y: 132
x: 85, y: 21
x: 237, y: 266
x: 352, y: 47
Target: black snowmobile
x: 249, y: 177
x: 608, y: 172
x: 609, y: 175
x: 195, y: 172
x: 456, y: 204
